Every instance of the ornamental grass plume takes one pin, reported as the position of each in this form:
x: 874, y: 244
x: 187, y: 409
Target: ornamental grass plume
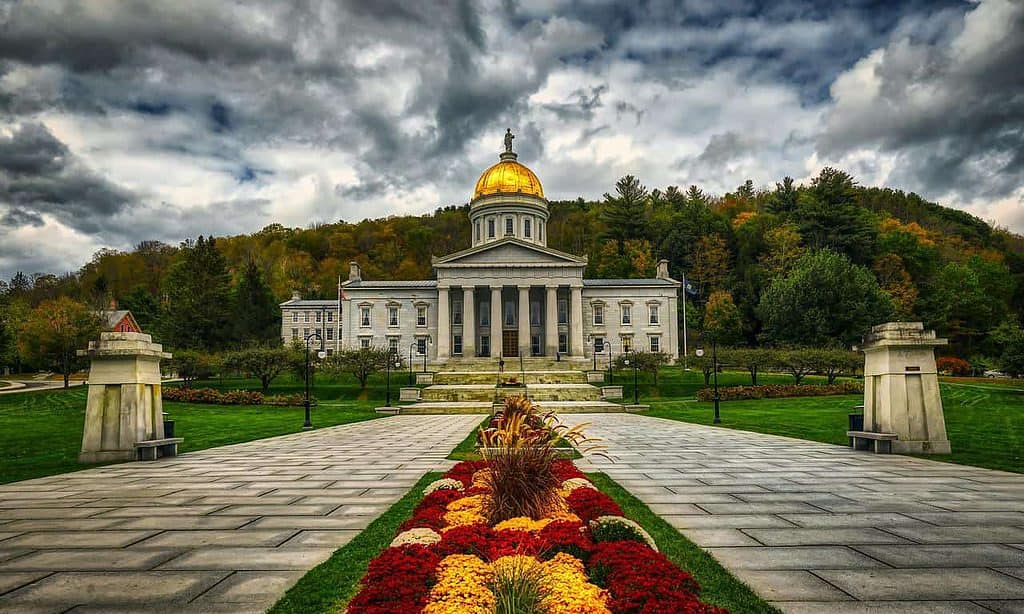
x: 517, y: 585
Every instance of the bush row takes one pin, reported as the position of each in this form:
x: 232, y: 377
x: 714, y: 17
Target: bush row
x: 738, y: 393
x: 231, y: 397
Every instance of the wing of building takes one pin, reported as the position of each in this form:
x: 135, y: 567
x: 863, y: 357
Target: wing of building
x: 507, y: 294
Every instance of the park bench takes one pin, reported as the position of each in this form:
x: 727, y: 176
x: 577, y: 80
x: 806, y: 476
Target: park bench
x: 152, y: 449
x: 864, y: 440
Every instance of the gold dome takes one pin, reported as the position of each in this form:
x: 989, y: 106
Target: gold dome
x: 508, y: 177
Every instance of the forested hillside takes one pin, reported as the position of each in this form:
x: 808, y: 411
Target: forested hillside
x: 795, y: 264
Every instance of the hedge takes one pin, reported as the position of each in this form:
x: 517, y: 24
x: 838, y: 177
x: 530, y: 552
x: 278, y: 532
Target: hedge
x: 232, y: 397
x: 739, y: 393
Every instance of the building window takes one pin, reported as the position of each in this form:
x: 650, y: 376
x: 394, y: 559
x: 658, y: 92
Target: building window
x: 364, y: 316
x: 563, y: 343
x: 364, y: 342
x: 627, y: 314
x: 476, y: 231
x: 330, y: 334
x: 319, y: 317
x: 421, y: 346
x: 393, y: 346
x: 526, y: 228
x: 653, y: 310
x: 392, y: 316
x: 563, y: 311
x: 295, y: 333
x: 330, y: 352
x: 295, y: 317
x: 599, y: 344
x: 305, y: 317
x: 598, y: 315
x: 534, y: 313
x: 457, y: 344
x: 490, y: 228
x: 509, y: 227
x: 655, y: 343
x: 627, y: 345
x: 510, y: 313
x: 535, y: 345
x: 421, y: 316
x: 457, y: 312
x: 305, y: 333
x: 485, y: 345
x: 540, y: 230
x: 485, y: 316
x: 330, y: 316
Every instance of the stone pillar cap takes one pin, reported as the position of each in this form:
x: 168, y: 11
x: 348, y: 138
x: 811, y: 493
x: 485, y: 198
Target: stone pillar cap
x: 115, y: 344
x: 901, y: 333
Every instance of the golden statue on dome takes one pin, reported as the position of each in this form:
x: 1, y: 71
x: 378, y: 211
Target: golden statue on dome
x: 508, y: 140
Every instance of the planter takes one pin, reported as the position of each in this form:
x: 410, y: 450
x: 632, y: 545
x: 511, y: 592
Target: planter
x: 563, y: 452
x: 407, y: 393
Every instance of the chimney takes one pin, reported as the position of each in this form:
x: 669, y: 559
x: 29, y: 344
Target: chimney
x: 663, y: 269
x: 296, y: 296
x: 113, y: 304
x: 354, y: 274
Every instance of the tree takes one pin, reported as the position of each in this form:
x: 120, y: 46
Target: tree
x: 362, y: 363
x: 191, y: 365
x: 144, y: 306
x: 197, y: 313
x: 824, y: 301
x: 625, y: 214
x: 710, y: 264
x: 722, y: 322
x: 798, y: 362
x: 783, y: 249
x: 751, y: 359
x: 257, y: 316
x: 828, y: 217
x: 55, y: 330
x: 833, y: 362
x: 648, y: 362
x: 262, y: 362
x: 1009, y: 337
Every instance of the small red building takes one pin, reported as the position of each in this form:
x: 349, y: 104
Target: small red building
x: 119, y: 321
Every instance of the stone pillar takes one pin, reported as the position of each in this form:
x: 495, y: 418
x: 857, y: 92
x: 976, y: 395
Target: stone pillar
x: 468, y: 322
x: 124, y: 405
x: 901, y: 387
x: 524, y: 320
x: 551, y: 321
x: 495, y: 321
x: 444, y: 320
x: 576, y: 321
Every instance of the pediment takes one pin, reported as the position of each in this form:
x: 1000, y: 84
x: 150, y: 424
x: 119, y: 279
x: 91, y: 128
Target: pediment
x: 509, y: 252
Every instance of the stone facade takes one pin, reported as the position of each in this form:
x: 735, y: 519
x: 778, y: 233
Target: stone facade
x: 507, y: 294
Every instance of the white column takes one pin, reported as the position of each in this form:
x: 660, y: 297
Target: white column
x: 551, y: 321
x: 468, y: 322
x: 576, y: 321
x: 444, y: 319
x: 495, y: 321
x: 524, y: 320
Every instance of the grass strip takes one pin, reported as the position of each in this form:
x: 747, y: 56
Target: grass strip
x: 466, y: 450
x: 329, y: 586
x: 718, y: 586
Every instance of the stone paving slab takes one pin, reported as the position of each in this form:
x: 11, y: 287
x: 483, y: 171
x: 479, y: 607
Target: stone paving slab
x: 227, y: 529
x: 820, y: 528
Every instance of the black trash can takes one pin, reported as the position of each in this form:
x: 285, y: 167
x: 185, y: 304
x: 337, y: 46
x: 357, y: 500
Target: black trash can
x: 168, y: 428
x: 856, y: 422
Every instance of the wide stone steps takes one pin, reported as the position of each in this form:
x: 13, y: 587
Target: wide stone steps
x: 492, y: 377
x: 533, y: 363
x: 561, y: 407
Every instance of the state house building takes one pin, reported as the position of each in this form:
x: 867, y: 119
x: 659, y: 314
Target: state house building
x: 508, y: 293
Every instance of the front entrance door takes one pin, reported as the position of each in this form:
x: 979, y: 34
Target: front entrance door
x: 509, y: 341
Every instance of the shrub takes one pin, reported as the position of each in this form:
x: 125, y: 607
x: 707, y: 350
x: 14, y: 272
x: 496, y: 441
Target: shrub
x: 620, y: 529
x: 589, y: 504
x: 951, y: 365
x: 774, y: 391
x: 209, y: 396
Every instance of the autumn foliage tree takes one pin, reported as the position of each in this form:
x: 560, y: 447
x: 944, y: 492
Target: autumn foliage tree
x: 54, y: 331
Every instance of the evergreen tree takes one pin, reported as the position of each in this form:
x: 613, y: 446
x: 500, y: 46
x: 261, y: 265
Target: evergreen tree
x: 145, y: 307
x: 256, y: 313
x: 198, y: 308
x: 624, y: 215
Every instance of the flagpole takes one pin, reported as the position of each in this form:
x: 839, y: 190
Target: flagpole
x: 685, y: 367
x: 337, y: 332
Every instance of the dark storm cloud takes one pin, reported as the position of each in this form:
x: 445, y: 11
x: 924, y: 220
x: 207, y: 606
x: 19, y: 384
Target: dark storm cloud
x: 38, y: 176
x: 951, y: 111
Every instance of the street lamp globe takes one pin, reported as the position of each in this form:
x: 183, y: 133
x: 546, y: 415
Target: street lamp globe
x: 699, y: 352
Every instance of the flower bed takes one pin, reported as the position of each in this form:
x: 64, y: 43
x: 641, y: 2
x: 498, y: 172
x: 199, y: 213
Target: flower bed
x: 232, y: 397
x: 580, y: 557
x: 739, y: 393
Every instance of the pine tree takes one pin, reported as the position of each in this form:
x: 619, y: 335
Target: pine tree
x: 625, y: 214
x: 198, y: 307
x: 256, y: 313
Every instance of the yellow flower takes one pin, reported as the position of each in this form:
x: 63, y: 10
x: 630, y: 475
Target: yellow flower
x: 567, y: 590
x: 480, y: 477
x: 462, y: 517
x: 474, y: 503
x: 522, y: 523
x: 461, y: 587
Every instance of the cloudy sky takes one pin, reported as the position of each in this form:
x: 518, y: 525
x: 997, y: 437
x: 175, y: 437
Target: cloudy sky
x: 125, y: 121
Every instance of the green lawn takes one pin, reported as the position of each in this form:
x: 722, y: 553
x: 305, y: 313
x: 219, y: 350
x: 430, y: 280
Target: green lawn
x: 42, y: 431
x: 675, y: 383
x: 985, y: 423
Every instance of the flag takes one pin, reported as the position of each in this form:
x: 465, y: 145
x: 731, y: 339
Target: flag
x: 689, y: 287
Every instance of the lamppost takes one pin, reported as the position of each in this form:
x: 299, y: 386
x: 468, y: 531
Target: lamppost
x: 320, y: 354
x: 412, y: 380
x: 611, y: 372
x: 593, y: 350
x: 636, y: 378
x: 392, y: 357
x: 714, y: 374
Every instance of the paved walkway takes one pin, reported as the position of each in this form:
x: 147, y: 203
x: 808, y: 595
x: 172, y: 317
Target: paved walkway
x: 223, y: 530
x: 818, y: 528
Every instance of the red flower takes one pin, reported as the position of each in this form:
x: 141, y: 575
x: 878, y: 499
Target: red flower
x: 485, y: 542
x: 565, y: 469
x: 398, y: 580
x: 589, y: 504
x: 565, y: 536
